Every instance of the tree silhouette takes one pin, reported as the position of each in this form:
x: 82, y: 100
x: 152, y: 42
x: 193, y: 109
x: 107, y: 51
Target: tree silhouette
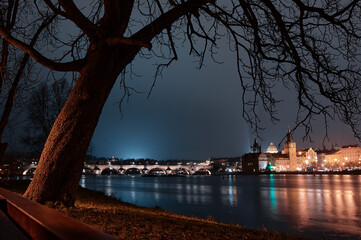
x: 311, y: 46
x: 13, y: 62
x: 43, y: 107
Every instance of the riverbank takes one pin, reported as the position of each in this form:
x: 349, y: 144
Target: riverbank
x: 343, y: 172
x: 128, y: 221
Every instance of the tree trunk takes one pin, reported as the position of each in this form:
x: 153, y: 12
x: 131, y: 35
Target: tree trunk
x: 60, y: 166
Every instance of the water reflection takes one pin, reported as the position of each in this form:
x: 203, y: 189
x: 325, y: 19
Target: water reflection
x: 272, y: 194
x: 307, y: 202
x: 315, y: 206
x: 232, y: 190
x: 108, y: 186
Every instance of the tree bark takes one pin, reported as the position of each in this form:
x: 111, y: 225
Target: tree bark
x: 60, y: 166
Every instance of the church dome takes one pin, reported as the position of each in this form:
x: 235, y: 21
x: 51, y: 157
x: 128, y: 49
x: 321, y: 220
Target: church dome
x: 272, y: 148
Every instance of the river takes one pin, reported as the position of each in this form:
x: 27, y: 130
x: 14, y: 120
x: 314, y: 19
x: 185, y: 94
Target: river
x: 312, y: 206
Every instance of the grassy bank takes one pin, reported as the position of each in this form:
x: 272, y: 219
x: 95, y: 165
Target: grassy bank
x: 127, y: 221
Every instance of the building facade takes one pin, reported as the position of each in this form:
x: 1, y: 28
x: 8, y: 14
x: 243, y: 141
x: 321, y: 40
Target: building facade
x: 293, y: 159
x: 346, y: 157
x: 290, y: 150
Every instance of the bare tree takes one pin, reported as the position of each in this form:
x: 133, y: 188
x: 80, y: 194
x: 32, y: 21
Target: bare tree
x: 13, y: 63
x: 311, y: 46
x: 43, y: 107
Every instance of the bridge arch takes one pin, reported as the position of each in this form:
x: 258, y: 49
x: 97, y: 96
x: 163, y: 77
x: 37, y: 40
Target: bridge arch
x: 157, y: 172
x: 132, y: 171
x: 109, y: 171
x: 203, y: 171
x: 182, y: 171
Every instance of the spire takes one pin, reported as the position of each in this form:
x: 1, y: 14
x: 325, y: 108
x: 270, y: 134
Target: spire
x: 255, y: 148
x: 289, y: 135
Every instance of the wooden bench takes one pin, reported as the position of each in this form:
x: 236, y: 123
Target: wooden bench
x: 8, y: 229
x: 21, y: 219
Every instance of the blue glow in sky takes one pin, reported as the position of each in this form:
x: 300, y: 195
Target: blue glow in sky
x: 190, y: 114
x: 193, y: 114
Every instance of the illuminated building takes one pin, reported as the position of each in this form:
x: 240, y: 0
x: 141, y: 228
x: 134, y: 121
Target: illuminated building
x: 290, y: 149
x: 292, y: 159
x: 262, y: 161
x: 351, y: 153
x: 278, y: 161
x: 346, y: 157
x: 285, y: 160
x: 272, y: 148
x: 307, y: 159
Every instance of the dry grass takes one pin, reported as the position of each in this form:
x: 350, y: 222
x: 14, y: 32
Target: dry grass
x: 127, y: 221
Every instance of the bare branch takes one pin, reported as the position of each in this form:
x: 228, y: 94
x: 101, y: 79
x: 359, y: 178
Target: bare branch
x: 69, y: 66
x: 74, y: 14
x: 147, y: 33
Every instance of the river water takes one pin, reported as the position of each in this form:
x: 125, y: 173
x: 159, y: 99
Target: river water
x: 312, y: 206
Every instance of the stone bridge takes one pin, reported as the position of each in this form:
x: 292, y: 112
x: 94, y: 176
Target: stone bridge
x: 148, y: 169
x: 156, y: 169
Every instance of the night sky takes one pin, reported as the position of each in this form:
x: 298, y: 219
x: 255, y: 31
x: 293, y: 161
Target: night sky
x: 194, y: 114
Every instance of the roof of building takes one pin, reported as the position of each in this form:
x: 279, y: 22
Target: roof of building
x: 328, y: 152
x: 250, y: 157
x: 256, y: 148
x: 272, y: 148
x: 350, y: 146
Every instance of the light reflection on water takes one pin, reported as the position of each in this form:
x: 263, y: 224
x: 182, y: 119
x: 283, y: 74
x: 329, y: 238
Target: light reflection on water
x: 313, y: 206
x: 232, y: 192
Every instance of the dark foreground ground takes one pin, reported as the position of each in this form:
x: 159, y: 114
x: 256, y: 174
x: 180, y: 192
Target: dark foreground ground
x: 127, y: 221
